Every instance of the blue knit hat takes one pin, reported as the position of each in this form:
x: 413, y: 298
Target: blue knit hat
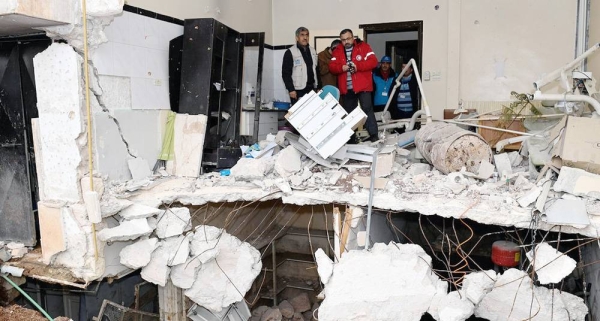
x: 386, y: 59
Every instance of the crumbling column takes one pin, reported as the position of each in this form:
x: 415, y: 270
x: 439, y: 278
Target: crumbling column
x: 449, y: 148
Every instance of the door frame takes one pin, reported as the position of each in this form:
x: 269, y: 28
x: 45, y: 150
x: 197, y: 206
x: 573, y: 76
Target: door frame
x: 401, y: 26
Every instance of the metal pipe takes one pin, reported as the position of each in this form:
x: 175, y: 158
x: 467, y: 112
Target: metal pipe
x: 274, y: 257
x: 413, y: 119
x: 492, y: 128
x: 371, y: 190
x: 560, y: 71
x: 27, y: 297
x: 399, y: 83
x: 567, y: 97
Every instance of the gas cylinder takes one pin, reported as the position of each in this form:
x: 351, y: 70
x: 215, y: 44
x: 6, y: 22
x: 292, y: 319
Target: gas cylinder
x: 506, y: 253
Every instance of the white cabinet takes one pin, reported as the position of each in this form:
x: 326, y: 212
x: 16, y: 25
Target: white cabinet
x: 267, y: 123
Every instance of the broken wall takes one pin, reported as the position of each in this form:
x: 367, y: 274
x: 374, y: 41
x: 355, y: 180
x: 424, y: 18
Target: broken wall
x: 133, y: 97
x: 593, y: 62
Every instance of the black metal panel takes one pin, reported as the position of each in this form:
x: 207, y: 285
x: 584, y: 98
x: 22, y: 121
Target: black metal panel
x: 175, y: 49
x: 196, y: 66
x: 16, y: 212
x: 18, y: 105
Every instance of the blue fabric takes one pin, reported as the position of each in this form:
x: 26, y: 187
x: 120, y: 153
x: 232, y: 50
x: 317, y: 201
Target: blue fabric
x: 404, y: 101
x: 382, y: 89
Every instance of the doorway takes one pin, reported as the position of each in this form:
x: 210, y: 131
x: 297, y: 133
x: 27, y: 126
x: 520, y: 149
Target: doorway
x: 401, y: 41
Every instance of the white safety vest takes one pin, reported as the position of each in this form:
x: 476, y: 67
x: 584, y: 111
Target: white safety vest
x: 299, y: 70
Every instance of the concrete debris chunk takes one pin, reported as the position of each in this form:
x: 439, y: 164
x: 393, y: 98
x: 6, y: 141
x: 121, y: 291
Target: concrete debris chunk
x: 19, y: 252
x: 157, y: 271
x: 418, y: 168
x: 127, y: 230
x: 288, y: 162
x: 522, y: 183
x: 4, y: 254
x: 578, y: 182
x: 476, y: 285
x: 530, y: 196
x: 249, y: 169
x: 138, y: 254
x: 184, y: 275
x: 456, y: 182
x: 455, y: 307
x: 515, y: 158
x: 137, y: 211
x: 503, y: 165
x: 511, y: 299
x: 112, y: 205
x: 286, y: 309
x: 258, y: 312
x: 395, y: 282
x: 178, y: 248
x: 272, y: 314
x: 335, y: 177
x: 324, y: 265
x: 226, y: 278
x: 204, y: 243
x: 301, y: 302
x: 173, y: 221
x: 15, y: 245
x: 550, y: 265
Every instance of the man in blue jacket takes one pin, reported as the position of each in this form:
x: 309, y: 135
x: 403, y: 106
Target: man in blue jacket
x: 383, y: 82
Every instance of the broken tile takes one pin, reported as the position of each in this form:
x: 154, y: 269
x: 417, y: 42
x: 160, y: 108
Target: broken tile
x: 139, y: 168
x: 365, y: 182
x: 52, y: 236
x: 127, y: 230
x: 173, y: 221
x: 188, y: 142
x: 138, y: 254
x: 137, y: 211
x: 578, y: 182
x: 567, y: 212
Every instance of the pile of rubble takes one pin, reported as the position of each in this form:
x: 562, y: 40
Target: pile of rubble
x: 12, y: 250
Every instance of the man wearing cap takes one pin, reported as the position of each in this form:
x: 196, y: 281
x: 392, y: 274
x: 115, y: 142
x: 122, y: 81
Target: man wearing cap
x: 383, y: 82
x: 326, y: 77
x: 299, y: 67
x: 353, y: 63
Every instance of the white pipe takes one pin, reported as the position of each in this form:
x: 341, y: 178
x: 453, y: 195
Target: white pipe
x: 12, y: 270
x: 557, y: 73
x: 492, y: 128
x: 399, y: 82
x: 590, y: 100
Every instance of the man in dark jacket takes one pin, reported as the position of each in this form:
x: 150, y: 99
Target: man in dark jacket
x: 353, y: 64
x: 383, y: 82
x: 326, y: 77
x: 406, y: 98
x: 299, y: 67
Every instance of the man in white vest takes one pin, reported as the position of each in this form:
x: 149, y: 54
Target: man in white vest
x: 299, y: 67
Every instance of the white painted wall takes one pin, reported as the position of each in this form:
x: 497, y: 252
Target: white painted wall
x: 526, y: 38
x: 531, y: 38
x: 241, y: 15
x: 594, y: 37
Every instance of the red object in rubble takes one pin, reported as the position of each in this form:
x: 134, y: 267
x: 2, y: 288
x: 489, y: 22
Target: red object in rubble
x: 506, y: 253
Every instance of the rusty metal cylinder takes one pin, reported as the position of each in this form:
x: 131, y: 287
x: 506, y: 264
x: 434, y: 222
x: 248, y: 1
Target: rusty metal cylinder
x: 449, y: 148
